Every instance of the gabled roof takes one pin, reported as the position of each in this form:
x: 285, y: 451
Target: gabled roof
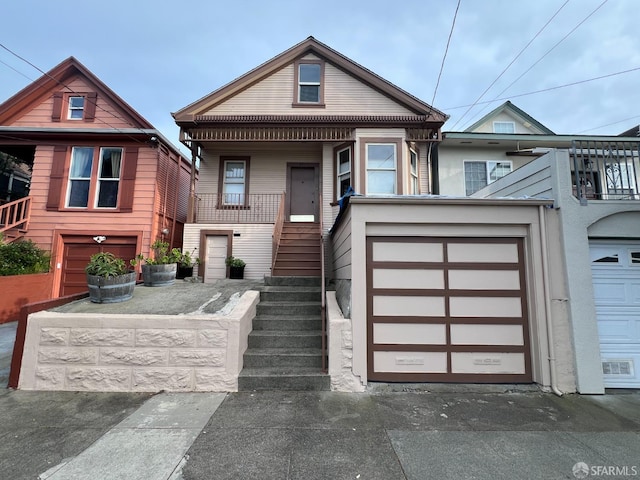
x: 511, y: 108
x: 632, y: 132
x: 310, y: 45
x: 55, y: 80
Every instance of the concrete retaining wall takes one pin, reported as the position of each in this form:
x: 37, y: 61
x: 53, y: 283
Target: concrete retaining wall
x: 341, y: 349
x: 146, y: 353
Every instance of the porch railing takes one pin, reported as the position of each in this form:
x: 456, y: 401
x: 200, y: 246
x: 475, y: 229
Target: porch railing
x: 237, y: 208
x: 15, y: 214
x: 605, y: 170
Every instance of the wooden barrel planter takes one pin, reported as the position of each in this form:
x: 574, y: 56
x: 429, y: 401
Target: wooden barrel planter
x: 111, y: 289
x: 159, y: 275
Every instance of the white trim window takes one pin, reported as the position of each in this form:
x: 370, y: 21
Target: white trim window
x: 86, y: 182
x: 109, y: 177
x: 479, y: 174
x: 76, y: 108
x: 504, y: 127
x: 381, y: 168
x: 235, y: 175
x: 343, y: 171
x: 413, y: 172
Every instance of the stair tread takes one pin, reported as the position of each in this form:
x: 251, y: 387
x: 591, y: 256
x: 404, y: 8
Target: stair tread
x: 282, y: 372
x: 286, y: 333
x: 289, y: 318
x: 290, y: 303
x: 287, y: 289
x: 284, y: 351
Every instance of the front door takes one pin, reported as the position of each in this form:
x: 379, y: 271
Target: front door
x: 303, y: 185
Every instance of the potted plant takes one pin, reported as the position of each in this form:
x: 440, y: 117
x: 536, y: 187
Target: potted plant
x: 160, y: 269
x: 236, y: 267
x: 109, y: 279
x: 186, y: 264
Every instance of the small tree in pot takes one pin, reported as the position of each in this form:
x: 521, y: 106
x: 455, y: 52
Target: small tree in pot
x: 160, y: 269
x: 109, y: 279
x: 186, y: 264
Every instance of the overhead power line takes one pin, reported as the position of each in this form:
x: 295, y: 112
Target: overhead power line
x: 609, y: 124
x: 446, y: 50
x: 545, y: 54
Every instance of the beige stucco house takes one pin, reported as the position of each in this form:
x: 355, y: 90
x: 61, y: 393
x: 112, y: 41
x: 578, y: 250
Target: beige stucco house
x: 593, y: 182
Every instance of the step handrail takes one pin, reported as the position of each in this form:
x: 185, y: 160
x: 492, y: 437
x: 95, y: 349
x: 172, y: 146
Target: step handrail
x: 277, y: 232
x: 15, y: 214
x: 323, y: 306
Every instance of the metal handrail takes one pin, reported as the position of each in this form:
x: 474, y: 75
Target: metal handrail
x: 237, y: 207
x: 277, y: 232
x: 15, y: 214
x: 323, y: 306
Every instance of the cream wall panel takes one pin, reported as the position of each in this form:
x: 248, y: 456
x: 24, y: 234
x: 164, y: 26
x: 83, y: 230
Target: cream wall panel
x: 484, y: 279
x: 485, y: 307
x: 407, y: 252
x: 463, y: 362
x: 483, y: 252
x: 486, y: 334
x: 404, y: 278
x: 408, y: 306
x: 410, y: 333
x: 401, y: 362
x: 343, y: 95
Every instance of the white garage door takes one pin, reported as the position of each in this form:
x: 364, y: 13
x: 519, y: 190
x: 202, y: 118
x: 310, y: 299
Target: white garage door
x: 615, y: 269
x: 447, y: 310
x: 216, y: 254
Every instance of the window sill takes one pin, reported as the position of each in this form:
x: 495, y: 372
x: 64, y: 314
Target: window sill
x: 233, y: 207
x: 307, y: 105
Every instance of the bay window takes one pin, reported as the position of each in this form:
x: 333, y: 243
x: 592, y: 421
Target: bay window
x: 381, y: 168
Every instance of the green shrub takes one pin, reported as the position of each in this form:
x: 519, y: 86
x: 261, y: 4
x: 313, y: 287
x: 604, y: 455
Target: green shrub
x: 23, y: 257
x: 106, y: 264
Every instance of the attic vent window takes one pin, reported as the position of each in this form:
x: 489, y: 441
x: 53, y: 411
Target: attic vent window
x: 309, y: 83
x: 504, y: 127
x: 76, y: 108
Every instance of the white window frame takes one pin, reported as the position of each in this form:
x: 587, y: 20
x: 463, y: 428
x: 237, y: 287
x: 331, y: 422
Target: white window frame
x: 377, y: 169
x: 100, y: 180
x: 340, y: 176
x: 488, y: 166
x: 238, y: 197
x: 498, y: 124
x: 317, y: 84
x: 413, y: 171
x: 72, y: 109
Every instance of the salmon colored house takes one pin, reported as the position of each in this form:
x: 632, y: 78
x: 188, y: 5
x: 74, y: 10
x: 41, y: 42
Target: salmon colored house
x: 104, y: 179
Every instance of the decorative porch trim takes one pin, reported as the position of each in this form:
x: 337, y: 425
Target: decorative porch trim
x: 270, y: 134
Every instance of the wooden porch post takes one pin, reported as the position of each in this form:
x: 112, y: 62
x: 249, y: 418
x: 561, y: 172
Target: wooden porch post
x: 191, y: 211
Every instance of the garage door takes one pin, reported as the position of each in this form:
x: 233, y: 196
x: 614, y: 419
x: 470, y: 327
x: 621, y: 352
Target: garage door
x: 77, y: 252
x: 615, y: 269
x: 447, y: 310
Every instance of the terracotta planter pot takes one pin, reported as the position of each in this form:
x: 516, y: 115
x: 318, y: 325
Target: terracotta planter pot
x: 159, y: 275
x: 111, y: 289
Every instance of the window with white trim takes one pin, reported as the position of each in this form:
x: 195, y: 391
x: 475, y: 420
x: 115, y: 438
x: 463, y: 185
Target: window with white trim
x: 94, y: 178
x: 413, y: 172
x: 381, y: 168
x: 309, y: 78
x: 343, y: 171
x: 504, y: 127
x: 234, y: 182
x: 479, y: 174
x: 76, y: 108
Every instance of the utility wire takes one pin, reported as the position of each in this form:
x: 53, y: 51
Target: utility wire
x: 546, y: 53
x: 549, y: 88
x: 609, y: 124
x: 512, y: 61
x: 73, y: 92
x: 446, y: 50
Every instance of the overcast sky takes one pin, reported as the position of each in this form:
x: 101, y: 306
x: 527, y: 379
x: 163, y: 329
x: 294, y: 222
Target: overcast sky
x: 160, y: 56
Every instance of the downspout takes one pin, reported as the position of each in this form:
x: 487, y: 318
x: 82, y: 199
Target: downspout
x: 435, y: 174
x: 547, y: 300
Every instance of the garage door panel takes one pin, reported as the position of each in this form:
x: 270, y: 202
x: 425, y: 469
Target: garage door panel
x: 410, y: 333
x: 403, y: 278
x: 407, y: 306
x: 488, y: 334
x: 488, y: 363
x: 616, y: 286
x: 486, y: 307
x: 455, y: 313
x: 484, y: 279
x: 410, y: 362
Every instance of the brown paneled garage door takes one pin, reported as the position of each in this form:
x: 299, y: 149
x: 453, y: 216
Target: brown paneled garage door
x: 77, y: 251
x: 447, y: 310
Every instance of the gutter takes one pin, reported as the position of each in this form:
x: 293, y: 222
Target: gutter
x: 547, y: 301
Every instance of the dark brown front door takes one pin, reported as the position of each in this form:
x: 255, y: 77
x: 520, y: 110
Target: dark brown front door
x: 78, y: 251
x: 303, y: 192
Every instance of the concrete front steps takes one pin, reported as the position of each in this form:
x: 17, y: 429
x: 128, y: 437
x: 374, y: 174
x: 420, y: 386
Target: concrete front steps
x: 285, y: 346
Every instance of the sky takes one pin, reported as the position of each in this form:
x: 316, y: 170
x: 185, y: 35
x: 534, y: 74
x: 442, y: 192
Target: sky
x: 163, y: 55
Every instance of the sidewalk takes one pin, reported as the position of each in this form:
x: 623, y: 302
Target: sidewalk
x: 455, y: 432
